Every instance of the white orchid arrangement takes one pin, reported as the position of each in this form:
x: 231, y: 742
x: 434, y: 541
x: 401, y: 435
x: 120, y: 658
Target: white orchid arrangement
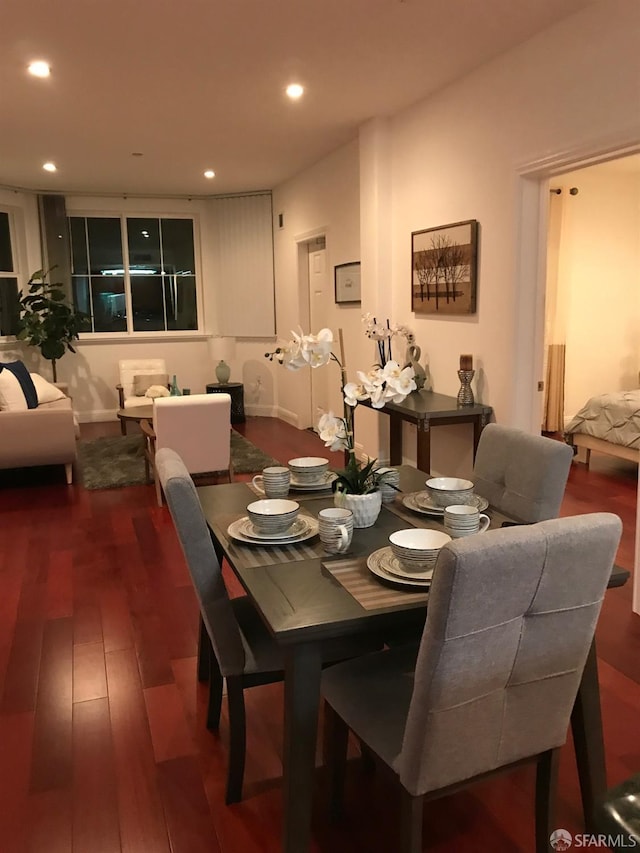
x: 384, y: 383
x: 382, y: 334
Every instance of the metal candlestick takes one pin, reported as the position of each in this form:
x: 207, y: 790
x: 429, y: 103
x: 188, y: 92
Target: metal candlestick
x: 465, y: 394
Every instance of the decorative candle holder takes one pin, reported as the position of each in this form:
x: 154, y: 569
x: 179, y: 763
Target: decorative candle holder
x: 465, y: 394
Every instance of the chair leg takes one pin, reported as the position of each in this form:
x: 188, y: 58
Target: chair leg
x: 123, y: 426
x: 410, y: 823
x: 237, y: 739
x: 368, y: 761
x: 158, y: 488
x: 216, y: 683
x: 336, y: 737
x: 204, y: 652
x: 546, y: 787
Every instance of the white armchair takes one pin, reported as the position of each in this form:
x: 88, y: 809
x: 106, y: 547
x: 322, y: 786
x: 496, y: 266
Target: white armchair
x: 136, y: 376
x: 197, y: 427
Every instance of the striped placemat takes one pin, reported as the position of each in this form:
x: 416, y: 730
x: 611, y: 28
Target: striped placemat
x: 249, y: 556
x: 367, y: 590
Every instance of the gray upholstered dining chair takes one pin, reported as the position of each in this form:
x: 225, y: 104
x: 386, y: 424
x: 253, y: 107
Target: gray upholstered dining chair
x: 234, y: 644
x: 521, y: 475
x: 510, y: 620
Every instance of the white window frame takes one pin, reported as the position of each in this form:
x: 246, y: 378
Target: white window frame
x: 16, y: 254
x: 130, y: 334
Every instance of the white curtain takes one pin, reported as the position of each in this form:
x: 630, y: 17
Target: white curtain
x: 555, y: 322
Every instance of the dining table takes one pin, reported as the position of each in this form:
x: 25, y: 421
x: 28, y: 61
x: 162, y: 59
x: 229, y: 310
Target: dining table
x: 307, y: 597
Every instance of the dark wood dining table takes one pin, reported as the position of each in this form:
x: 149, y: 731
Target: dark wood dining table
x: 303, y: 603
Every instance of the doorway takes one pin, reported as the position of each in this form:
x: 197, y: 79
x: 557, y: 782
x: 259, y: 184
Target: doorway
x: 592, y: 300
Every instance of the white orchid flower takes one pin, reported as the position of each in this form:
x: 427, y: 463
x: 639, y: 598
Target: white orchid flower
x: 316, y: 349
x: 333, y: 432
x: 377, y: 396
x: 353, y: 393
x: 291, y: 355
x: 391, y: 371
x: 401, y: 386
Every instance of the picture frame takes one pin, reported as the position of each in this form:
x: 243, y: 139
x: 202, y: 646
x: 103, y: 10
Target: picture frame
x: 444, y: 262
x: 347, y: 283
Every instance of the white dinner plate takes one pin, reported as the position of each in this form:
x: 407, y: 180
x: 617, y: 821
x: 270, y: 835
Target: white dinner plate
x: 242, y: 530
x: 324, y: 483
x: 385, y: 565
x: 422, y: 502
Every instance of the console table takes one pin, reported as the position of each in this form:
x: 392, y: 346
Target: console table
x: 426, y: 409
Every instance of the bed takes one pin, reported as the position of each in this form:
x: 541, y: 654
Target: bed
x: 608, y: 423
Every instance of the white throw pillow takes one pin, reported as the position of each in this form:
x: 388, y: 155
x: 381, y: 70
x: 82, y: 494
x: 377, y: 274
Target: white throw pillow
x: 13, y: 397
x: 47, y: 393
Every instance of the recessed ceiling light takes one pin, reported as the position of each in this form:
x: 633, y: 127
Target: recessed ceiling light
x: 209, y: 174
x: 295, y: 91
x: 39, y: 68
x: 50, y: 167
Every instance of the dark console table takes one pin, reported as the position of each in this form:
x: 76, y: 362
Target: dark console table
x: 426, y: 409
x: 236, y: 392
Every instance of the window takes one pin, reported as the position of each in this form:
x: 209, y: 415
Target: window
x: 9, y: 305
x: 134, y: 274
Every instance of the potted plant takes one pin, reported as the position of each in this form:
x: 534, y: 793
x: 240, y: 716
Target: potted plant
x: 47, y: 321
x: 357, y: 486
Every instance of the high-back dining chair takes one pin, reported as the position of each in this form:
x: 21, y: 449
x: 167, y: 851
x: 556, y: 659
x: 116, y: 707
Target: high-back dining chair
x: 197, y: 427
x: 510, y: 620
x: 234, y: 645
x: 521, y: 475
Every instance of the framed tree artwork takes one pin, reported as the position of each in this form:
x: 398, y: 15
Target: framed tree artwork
x: 347, y: 282
x: 444, y: 269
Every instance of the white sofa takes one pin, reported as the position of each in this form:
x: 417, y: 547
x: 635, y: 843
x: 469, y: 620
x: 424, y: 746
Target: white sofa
x: 42, y: 436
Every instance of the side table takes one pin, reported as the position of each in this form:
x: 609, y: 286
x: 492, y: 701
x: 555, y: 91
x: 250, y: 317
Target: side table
x: 236, y: 392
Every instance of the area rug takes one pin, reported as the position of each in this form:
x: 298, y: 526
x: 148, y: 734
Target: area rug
x: 115, y: 461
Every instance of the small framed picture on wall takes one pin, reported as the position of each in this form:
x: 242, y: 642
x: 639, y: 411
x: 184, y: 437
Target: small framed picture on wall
x: 347, y: 282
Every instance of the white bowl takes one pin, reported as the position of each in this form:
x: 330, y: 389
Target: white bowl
x: 446, y: 491
x: 417, y: 549
x: 307, y: 464
x: 273, y: 515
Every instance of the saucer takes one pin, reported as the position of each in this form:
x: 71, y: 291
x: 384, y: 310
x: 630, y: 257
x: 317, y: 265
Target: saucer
x: 386, y: 566
x: 323, y: 483
x: 422, y: 502
x: 242, y: 530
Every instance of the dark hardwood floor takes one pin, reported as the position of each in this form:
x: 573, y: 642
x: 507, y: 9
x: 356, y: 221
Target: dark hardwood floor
x: 103, y: 746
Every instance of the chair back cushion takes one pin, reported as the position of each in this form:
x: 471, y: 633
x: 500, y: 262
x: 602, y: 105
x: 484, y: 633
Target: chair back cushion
x: 202, y: 561
x: 522, y: 475
x: 197, y: 427
x: 128, y: 368
x: 510, y: 620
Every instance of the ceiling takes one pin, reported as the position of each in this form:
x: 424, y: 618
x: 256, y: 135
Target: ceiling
x: 200, y: 84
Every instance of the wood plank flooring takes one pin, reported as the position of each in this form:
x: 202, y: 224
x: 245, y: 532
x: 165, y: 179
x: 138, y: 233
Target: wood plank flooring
x: 103, y: 746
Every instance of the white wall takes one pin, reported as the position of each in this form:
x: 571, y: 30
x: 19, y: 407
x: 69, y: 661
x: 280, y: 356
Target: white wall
x: 323, y: 200
x: 600, y: 264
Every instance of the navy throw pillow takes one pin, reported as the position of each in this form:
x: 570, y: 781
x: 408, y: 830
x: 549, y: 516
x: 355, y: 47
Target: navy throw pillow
x: 19, y: 370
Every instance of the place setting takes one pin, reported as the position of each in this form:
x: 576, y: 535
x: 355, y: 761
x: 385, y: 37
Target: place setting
x: 310, y: 474
x: 273, y: 521
x: 442, y: 492
x: 409, y: 559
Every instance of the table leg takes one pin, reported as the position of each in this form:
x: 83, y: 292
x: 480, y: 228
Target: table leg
x: 301, y: 701
x: 586, y: 725
x: 424, y: 447
x: 395, y: 440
